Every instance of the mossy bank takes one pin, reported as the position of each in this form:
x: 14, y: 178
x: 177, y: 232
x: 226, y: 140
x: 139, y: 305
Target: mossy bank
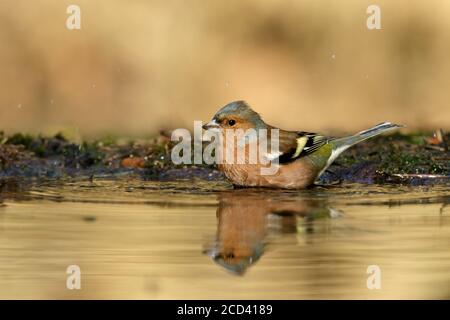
x: 414, y: 158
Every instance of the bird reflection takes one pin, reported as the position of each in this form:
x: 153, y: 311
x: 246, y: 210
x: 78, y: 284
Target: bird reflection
x: 246, y: 220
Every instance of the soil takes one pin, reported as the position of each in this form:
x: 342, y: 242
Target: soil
x: 420, y: 158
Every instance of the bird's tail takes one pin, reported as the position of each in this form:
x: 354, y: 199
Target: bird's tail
x: 339, y: 145
x: 363, y: 135
x: 342, y: 144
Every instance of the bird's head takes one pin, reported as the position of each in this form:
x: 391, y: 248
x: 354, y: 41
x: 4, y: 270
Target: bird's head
x: 235, y: 115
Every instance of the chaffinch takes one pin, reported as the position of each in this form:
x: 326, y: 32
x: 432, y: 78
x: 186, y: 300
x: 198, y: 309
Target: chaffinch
x: 301, y: 156
x: 247, y: 221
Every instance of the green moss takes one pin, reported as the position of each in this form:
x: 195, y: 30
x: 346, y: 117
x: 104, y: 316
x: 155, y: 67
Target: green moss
x: 401, y: 162
x: 20, y: 139
x: 398, y: 154
x: 107, y: 141
x: 382, y: 155
x: 416, y: 138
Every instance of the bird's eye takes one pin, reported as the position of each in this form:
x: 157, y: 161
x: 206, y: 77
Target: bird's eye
x: 231, y: 122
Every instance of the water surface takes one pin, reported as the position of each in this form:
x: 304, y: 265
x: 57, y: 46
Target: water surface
x: 187, y: 240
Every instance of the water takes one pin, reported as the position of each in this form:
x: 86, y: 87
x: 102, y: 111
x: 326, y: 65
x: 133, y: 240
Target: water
x: 148, y: 240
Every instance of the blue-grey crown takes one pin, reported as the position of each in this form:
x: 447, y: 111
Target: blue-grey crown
x: 241, y: 109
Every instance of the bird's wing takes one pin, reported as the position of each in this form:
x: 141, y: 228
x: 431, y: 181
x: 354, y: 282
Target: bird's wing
x: 293, y: 145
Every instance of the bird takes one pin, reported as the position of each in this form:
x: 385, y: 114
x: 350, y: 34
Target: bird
x: 248, y: 220
x: 302, y: 157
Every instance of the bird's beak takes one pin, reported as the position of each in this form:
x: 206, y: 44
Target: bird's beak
x: 211, y: 125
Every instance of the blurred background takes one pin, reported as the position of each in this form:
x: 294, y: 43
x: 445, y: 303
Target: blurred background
x: 139, y: 66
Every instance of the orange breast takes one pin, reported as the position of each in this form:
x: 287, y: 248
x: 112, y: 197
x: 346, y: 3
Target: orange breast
x: 241, y: 169
x: 295, y: 175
